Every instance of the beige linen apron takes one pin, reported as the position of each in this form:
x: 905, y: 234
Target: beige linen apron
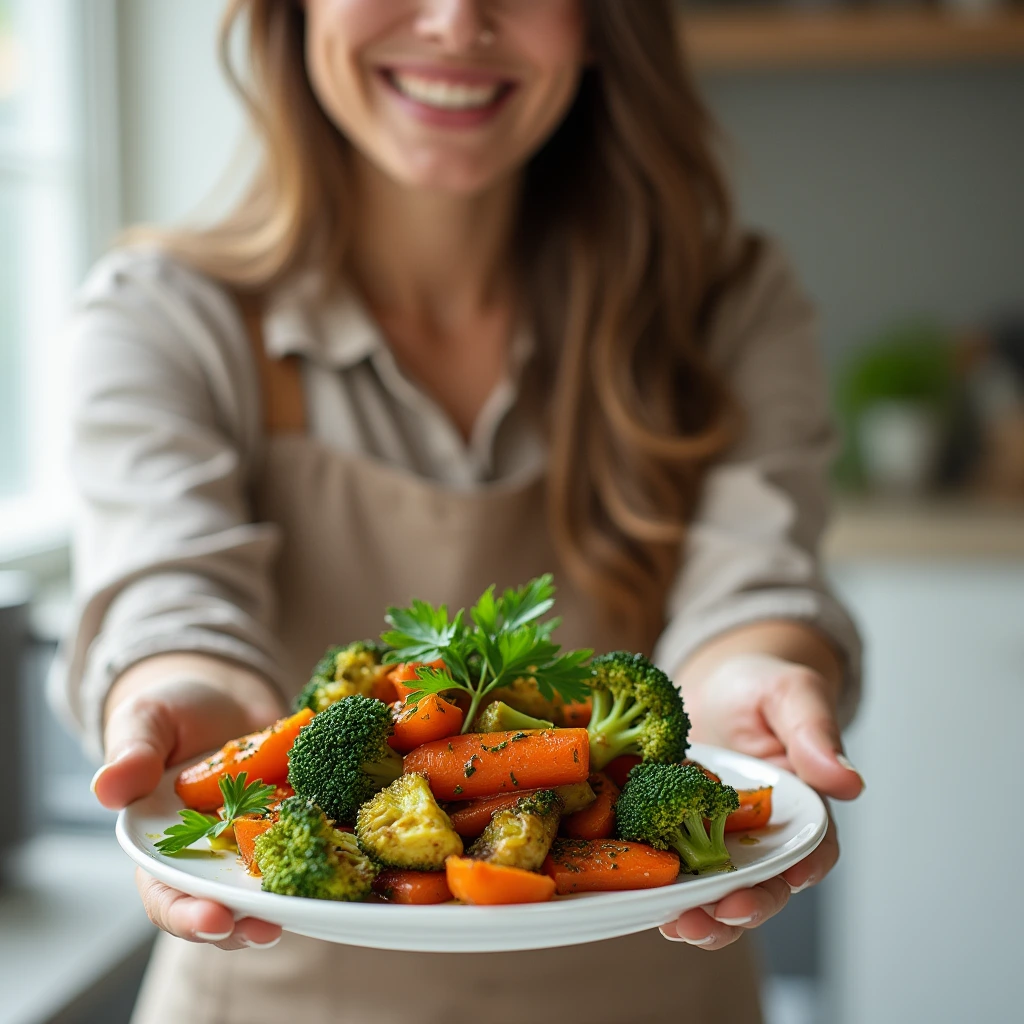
x: 358, y: 535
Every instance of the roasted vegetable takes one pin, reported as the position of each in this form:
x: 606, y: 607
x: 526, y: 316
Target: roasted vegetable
x: 601, y: 865
x: 342, y: 672
x: 403, y: 827
x: 342, y: 757
x: 302, y: 854
x: 499, y: 717
x: 520, y: 836
x: 636, y: 710
x: 666, y: 806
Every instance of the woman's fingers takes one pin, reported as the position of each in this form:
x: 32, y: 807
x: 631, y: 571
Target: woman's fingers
x: 140, y: 736
x: 202, y: 920
x: 800, y: 714
x: 723, y: 923
x: 813, y: 868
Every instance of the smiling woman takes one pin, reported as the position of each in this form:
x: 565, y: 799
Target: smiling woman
x: 483, y: 314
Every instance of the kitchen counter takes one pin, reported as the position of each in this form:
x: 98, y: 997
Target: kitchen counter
x: 939, y: 528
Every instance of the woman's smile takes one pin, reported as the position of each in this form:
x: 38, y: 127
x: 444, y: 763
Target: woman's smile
x: 446, y: 97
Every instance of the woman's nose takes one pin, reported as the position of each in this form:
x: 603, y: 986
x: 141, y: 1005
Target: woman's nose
x: 456, y: 25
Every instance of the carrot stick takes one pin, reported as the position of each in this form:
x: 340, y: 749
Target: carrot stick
x: 582, y: 865
x: 598, y: 820
x: 247, y: 830
x: 397, y: 885
x: 576, y: 716
x: 430, y: 718
x: 384, y: 689
x: 618, y: 769
x: 263, y: 755
x: 755, y: 810
x: 470, y: 818
x: 484, y: 884
x: 483, y: 764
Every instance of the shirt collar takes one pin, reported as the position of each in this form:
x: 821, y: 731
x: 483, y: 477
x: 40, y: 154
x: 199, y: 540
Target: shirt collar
x: 335, y: 330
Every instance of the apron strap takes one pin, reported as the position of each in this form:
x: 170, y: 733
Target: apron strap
x: 284, y: 402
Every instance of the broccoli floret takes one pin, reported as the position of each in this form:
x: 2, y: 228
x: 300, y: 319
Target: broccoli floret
x: 499, y: 717
x: 524, y: 695
x: 636, y: 710
x: 342, y: 672
x: 403, y: 827
x: 342, y: 757
x: 521, y: 836
x: 303, y: 854
x: 666, y: 805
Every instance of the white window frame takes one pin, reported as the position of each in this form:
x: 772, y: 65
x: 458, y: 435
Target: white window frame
x: 38, y: 521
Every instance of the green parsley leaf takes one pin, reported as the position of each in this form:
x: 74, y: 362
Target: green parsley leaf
x: 239, y: 799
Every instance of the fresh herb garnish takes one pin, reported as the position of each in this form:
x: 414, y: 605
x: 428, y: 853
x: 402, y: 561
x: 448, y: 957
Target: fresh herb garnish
x: 503, y: 641
x: 239, y: 799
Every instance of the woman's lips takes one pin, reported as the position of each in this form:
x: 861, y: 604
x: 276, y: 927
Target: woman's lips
x: 448, y: 99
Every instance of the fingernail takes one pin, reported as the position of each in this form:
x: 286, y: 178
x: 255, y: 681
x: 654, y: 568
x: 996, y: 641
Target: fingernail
x: 706, y: 941
x: 214, y: 936
x: 848, y: 765
x: 806, y: 884
x: 736, y: 922
x: 127, y: 752
x: 260, y: 945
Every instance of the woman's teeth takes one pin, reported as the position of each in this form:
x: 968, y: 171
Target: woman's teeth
x: 434, y: 92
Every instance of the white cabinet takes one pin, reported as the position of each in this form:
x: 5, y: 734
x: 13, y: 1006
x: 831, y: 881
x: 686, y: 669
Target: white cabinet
x: 925, y: 914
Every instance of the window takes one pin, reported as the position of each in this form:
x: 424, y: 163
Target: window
x: 53, y: 209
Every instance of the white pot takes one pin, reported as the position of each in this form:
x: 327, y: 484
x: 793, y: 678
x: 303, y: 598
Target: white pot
x: 899, y: 446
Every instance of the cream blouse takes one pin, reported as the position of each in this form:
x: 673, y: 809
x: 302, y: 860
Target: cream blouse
x: 167, y: 429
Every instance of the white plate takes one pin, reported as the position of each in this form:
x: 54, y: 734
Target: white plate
x: 797, y: 826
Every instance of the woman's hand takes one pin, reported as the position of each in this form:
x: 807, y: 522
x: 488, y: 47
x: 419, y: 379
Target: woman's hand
x: 785, y: 713
x: 163, y: 711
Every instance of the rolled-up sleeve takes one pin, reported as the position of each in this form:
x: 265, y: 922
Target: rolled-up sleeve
x: 751, y: 552
x: 165, y: 421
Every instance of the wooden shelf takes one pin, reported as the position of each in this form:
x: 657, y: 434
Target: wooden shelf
x: 765, y: 40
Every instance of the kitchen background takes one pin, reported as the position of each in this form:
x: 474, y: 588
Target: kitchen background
x: 885, y: 145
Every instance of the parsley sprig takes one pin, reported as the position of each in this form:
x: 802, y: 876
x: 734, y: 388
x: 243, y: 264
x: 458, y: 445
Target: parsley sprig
x: 503, y: 640
x: 239, y: 799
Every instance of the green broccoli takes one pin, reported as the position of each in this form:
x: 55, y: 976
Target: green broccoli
x: 303, y: 854
x: 342, y: 757
x: 666, y: 805
x: 499, y: 717
x: 403, y: 827
x: 520, y: 836
x: 342, y: 672
x: 636, y: 710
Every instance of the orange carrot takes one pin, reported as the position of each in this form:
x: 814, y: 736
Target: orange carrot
x: 470, y: 818
x: 619, y: 768
x: 484, y: 763
x: 430, y: 718
x: 598, y: 820
x: 755, y: 810
x: 397, y: 885
x: 262, y: 755
x: 576, y: 716
x: 384, y: 689
x: 247, y: 830
x: 484, y: 884
x: 707, y: 771
x: 583, y: 865
x: 403, y: 676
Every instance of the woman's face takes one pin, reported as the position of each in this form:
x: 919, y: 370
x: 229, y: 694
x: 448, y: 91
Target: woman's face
x: 445, y: 95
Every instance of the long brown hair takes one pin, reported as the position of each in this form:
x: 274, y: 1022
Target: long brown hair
x: 624, y: 245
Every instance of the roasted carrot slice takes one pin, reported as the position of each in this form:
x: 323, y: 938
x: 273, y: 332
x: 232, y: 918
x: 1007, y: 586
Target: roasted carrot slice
x: 470, y: 817
x: 619, y: 768
x: 484, y: 884
x: 430, y: 718
x: 598, y: 820
x: 584, y: 865
x: 397, y: 885
x: 484, y: 764
x: 247, y: 830
x: 576, y: 716
x: 262, y: 755
x: 755, y: 810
